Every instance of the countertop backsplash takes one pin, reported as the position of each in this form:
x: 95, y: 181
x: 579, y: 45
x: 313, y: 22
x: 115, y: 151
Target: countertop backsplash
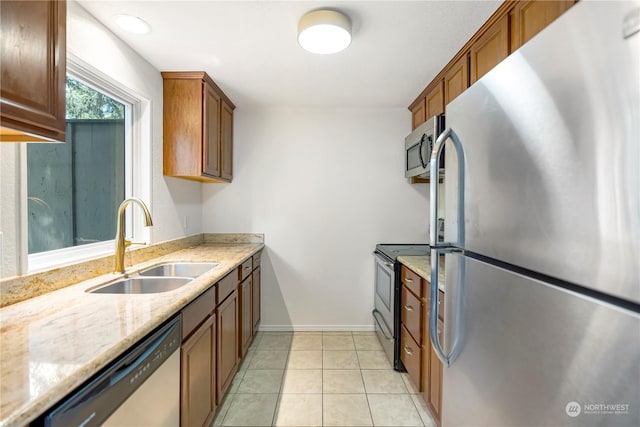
x: 20, y: 288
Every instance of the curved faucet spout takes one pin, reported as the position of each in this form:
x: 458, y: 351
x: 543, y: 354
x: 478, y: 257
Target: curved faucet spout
x: 121, y: 242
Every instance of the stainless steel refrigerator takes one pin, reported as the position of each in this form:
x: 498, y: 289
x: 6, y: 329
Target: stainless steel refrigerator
x: 542, y: 198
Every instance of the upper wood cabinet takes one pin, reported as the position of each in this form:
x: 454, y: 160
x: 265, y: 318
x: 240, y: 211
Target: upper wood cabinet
x: 211, y: 132
x: 528, y: 18
x: 33, y: 70
x: 226, y: 136
x: 491, y: 48
x: 418, y: 113
x: 510, y: 26
x: 456, y: 79
x: 197, y: 128
x: 435, y: 100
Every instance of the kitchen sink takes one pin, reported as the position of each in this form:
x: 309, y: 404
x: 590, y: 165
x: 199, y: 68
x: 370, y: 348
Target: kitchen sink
x: 179, y: 269
x: 142, y: 285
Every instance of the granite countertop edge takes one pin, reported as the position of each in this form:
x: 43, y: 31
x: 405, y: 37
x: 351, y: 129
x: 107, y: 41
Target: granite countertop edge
x: 421, y: 265
x: 17, y: 352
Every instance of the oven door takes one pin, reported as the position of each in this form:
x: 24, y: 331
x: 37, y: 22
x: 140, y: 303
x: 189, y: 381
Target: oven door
x: 383, y: 312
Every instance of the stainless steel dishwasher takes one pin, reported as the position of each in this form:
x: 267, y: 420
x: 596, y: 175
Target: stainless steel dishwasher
x: 140, y: 388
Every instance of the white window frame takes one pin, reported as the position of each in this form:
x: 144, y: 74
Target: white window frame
x: 137, y: 179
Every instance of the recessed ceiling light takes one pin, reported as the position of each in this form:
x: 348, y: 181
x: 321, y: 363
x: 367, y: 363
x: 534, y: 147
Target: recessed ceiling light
x: 324, y: 31
x: 133, y: 24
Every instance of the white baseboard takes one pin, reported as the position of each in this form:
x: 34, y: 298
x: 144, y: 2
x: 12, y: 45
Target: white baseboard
x: 312, y: 328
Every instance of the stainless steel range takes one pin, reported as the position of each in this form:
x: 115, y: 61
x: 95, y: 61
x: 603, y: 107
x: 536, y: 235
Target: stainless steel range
x: 386, y: 312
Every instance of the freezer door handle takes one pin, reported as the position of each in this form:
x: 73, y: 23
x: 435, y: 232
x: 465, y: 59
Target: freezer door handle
x: 433, y: 188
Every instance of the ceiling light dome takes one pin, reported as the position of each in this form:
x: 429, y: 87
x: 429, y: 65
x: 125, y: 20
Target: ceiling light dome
x: 324, y: 31
x: 133, y: 24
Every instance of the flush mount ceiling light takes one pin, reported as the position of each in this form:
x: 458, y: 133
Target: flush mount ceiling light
x: 133, y: 24
x: 324, y: 31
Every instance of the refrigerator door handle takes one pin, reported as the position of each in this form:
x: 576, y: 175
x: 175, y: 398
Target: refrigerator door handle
x: 433, y: 188
x: 455, y: 317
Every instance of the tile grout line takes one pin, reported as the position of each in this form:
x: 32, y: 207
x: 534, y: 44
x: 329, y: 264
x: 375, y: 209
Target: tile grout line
x: 279, y: 396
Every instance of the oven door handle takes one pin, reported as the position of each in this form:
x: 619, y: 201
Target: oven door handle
x: 383, y: 324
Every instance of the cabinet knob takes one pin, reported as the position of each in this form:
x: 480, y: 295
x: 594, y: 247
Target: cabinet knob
x: 408, y: 350
x: 408, y: 308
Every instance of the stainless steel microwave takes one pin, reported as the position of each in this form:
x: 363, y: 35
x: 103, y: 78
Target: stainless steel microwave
x: 418, y: 146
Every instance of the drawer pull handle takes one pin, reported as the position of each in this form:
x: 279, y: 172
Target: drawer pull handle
x: 409, y: 280
x: 408, y: 351
x: 408, y: 308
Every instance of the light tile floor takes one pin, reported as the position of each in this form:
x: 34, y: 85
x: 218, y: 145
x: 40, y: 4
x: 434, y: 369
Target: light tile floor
x: 320, y: 379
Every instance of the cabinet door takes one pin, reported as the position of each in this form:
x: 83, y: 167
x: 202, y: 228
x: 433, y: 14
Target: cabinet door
x: 435, y: 100
x: 426, y: 356
x: 491, y: 48
x: 198, y: 363
x: 211, y: 134
x: 227, y: 343
x: 33, y: 71
x: 456, y: 79
x: 411, y: 314
x: 226, y: 134
x: 411, y: 356
x: 246, y: 325
x: 255, y: 299
x: 528, y: 18
x: 418, y: 114
x: 435, y: 385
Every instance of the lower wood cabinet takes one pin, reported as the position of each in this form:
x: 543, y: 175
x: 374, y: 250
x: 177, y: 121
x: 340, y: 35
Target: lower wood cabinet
x: 416, y: 352
x: 246, y: 313
x: 411, y: 356
x: 217, y: 328
x: 435, y: 383
x: 255, y: 299
x: 227, y: 343
x: 198, y: 381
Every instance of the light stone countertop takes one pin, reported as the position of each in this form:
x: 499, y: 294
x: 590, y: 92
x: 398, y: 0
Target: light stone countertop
x: 421, y: 265
x: 51, y: 344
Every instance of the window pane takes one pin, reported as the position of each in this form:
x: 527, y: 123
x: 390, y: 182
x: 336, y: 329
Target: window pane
x: 75, y: 188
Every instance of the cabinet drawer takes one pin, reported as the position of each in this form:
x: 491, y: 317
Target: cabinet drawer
x: 411, y: 356
x: 227, y: 285
x: 197, y: 311
x: 411, y: 280
x: 411, y: 314
x: 245, y: 269
x: 256, y: 260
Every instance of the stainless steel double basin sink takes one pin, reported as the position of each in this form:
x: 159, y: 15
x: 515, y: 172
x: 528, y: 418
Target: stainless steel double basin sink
x: 159, y: 278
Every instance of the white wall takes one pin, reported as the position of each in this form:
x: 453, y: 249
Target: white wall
x: 325, y: 187
x: 170, y: 200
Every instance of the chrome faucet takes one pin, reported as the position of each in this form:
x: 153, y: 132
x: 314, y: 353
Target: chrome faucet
x: 121, y: 243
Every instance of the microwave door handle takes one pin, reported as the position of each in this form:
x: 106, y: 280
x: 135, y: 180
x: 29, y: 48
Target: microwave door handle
x: 422, y: 162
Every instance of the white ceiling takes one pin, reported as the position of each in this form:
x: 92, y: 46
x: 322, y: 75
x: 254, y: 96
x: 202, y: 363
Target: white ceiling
x: 249, y: 47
